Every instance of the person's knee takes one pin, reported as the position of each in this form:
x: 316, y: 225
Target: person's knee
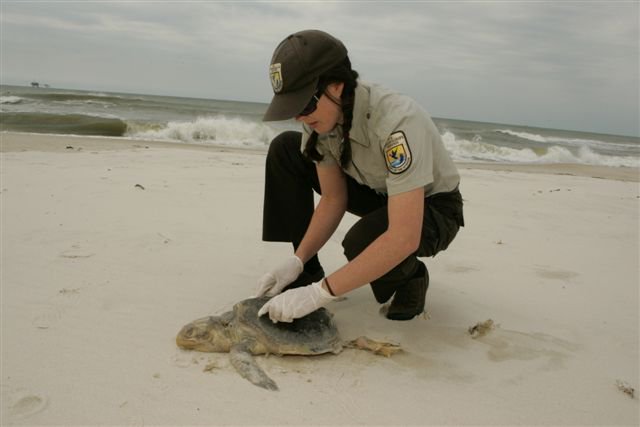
x: 364, y: 232
x: 354, y: 242
x: 359, y: 237
x: 284, y: 142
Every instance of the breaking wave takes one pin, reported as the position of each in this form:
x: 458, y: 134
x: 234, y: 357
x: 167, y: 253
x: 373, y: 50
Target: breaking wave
x: 212, y: 130
x: 480, y: 151
x: 576, y: 142
x: 10, y: 100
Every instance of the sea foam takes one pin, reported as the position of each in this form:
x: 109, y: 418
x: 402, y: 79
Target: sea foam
x: 478, y: 150
x: 572, y: 142
x: 213, y: 130
x: 10, y: 100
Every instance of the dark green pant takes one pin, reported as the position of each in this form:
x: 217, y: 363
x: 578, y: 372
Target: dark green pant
x: 290, y: 182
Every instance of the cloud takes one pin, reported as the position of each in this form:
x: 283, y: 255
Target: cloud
x: 451, y: 56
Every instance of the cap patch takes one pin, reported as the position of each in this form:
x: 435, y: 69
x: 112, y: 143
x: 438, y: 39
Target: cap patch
x: 275, y: 72
x: 397, y: 153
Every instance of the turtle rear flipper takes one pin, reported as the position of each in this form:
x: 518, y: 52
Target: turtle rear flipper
x: 245, y: 364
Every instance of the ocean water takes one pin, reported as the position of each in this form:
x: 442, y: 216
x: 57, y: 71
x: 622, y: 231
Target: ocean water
x: 232, y: 123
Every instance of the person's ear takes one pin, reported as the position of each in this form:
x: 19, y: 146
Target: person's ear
x: 335, y: 89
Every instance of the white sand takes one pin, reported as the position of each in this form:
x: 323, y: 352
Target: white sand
x: 98, y: 276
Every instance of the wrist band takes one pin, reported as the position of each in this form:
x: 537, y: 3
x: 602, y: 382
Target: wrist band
x: 329, y: 287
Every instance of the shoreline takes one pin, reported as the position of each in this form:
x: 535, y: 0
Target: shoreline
x: 16, y: 142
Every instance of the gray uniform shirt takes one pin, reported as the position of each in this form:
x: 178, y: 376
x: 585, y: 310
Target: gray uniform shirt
x: 395, y: 145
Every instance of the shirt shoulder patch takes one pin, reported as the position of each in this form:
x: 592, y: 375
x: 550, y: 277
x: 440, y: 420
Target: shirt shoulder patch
x: 397, y: 153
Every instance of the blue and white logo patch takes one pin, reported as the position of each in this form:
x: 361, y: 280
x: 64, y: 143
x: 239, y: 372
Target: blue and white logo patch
x: 397, y: 153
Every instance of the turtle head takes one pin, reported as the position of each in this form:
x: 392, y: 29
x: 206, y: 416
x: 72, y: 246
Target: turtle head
x: 209, y: 334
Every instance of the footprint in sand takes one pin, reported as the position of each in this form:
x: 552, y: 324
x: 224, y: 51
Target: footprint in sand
x: 555, y: 274
x: 76, y: 252
x: 20, y: 404
x: 504, y: 345
x: 51, y: 313
x: 181, y: 359
x: 49, y: 316
x: 461, y: 269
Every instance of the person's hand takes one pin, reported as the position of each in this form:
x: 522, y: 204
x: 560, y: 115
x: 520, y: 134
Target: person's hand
x: 296, y: 303
x: 274, y: 281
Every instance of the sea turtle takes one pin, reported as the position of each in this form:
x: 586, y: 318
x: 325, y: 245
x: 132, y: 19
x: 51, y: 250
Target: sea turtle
x: 243, y: 334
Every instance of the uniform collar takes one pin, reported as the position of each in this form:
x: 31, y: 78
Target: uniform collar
x: 358, y: 133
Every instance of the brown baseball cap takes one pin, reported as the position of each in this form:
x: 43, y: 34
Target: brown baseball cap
x: 297, y: 63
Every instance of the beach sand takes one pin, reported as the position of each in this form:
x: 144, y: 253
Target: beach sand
x: 110, y: 246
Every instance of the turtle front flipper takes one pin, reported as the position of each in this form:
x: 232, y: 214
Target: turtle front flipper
x: 245, y: 364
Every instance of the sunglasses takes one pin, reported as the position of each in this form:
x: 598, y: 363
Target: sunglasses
x: 313, y: 104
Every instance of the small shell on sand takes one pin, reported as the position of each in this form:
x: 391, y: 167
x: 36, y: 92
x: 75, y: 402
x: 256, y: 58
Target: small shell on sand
x: 481, y: 329
x: 625, y: 387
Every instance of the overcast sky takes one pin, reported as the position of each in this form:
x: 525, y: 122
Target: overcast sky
x: 557, y: 64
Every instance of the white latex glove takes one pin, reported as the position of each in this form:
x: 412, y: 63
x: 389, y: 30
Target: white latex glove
x: 284, y: 273
x: 296, y: 303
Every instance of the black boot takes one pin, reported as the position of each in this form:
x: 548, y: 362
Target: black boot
x: 409, y: 299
